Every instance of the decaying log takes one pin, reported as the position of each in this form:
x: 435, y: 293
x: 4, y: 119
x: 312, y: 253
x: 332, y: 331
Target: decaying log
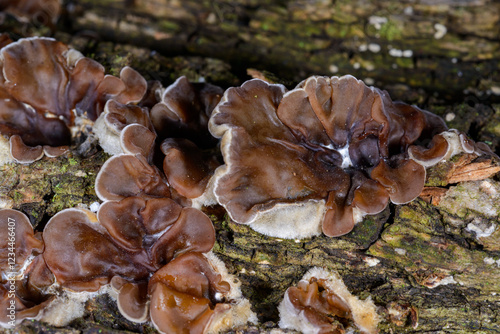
x: 426, y: 266
x: 431, y: 266
x: 442, y: 46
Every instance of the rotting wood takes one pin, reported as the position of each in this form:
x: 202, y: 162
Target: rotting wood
x: 430, y: 267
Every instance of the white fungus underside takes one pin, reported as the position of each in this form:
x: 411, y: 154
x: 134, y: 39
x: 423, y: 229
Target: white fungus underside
x: 240, y: 312
x: 108, y: 139
x: 66, y: 307
x: 5, y: 156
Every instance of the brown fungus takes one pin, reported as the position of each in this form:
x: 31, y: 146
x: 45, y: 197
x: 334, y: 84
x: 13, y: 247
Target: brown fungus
x: 116, y: 116
x: 321, y: 303
x: 184, y: 111
x: 181, y: 121
x: 130, y: 175
x: 16, y: 231
x: 22, y: 153
x: 321, y: 156
x: 136, y: 241
x: 49, y: 92
x: 137, y: 139
x: 188, y: 168
x: 184, y: 295
x: 83, y: 256
x: 37, y: 11
x: 24, y: 275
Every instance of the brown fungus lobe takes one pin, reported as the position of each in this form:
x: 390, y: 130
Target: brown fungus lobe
x: 184, y: 111
x: 321, y: 303
x: 38, y: 11
x: 128, y: 175
x: 24, y: 275
x: 323, y: 154
x: 184, y: 295
x: 83, y: 256
x: 49, y: 92
x: 191, y: 154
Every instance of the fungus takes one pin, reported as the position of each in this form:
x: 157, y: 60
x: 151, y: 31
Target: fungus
x: 183, y: 294
x: 116, y: 116
x: 47, y: 90
x: 134, y: 239
x: 181, y: 119
x: 83, y: 256
x: 321, y: 156
x: 128, y: 175
x: 184, y: 111
x: 133, y: 303
x: 321, y: 303
x: 137, y: 139
x: 191, y: 293
x: 129, y: 221
x: 23, y: 153
x: 39, y: 11
x: 24, y: 273
x: 187, y: 167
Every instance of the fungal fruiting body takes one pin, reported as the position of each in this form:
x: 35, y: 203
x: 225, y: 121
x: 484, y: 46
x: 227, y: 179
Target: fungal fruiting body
x: 323, y: 155
x: 176, y: 118
x: 50, y: 94
x: 151, y: 254
x: 145, y: 245
x: 321, y: 303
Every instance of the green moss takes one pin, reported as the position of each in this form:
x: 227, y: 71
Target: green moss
x: 390, y: 30
x: 437, y: 174
x: 168, y: 26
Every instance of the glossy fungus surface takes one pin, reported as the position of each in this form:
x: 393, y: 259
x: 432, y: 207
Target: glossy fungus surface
x: 24, y: 274
x: 184, y: 111
x: 320, y: 156
x: 185, y: 295
x: 130, y: 175
x: 46, y: 88
x: 191, y: 154
x: 38, y: 11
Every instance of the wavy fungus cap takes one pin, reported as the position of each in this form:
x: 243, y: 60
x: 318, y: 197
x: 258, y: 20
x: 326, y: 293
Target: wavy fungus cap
x: 319, y: 156
x: 23, y: 272
x: 110, y: 125
x: 39, y: 11
x: 185, y: 294
x: 128, y: 175
x: 46, y: 88
x: 184, y: 111
x: 138, y: 245
x: 191, y: 155
x: 321, y: 303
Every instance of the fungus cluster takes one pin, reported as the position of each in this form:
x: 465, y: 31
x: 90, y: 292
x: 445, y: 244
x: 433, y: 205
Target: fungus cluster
x: 178, y: 122
x: 321, y: 303
x: 150, y: 252
x: 145, y: 245
x: 323, y: 155
x: 24, y: 275
x: 315, y: 158
x: 50, y: 93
